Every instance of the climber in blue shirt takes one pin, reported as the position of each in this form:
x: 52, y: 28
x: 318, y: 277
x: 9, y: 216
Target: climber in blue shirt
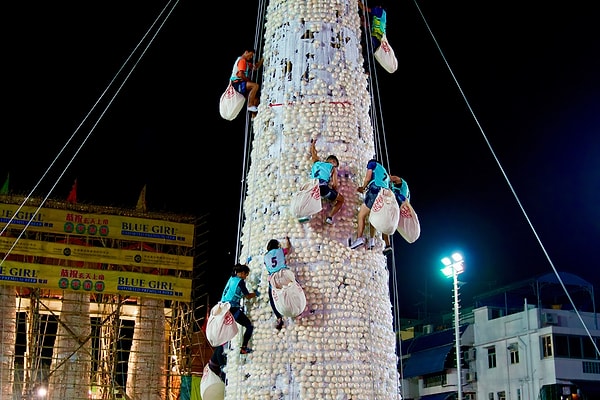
x: 376, y: 178
x: 327, y: 174
x: 234, y: 291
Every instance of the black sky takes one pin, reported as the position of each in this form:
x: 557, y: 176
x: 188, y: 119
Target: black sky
x: 519, y: 76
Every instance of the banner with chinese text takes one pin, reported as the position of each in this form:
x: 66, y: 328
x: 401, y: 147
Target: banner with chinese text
x: 100, y: 255
x: 100, y: 225
x: 95, y: 281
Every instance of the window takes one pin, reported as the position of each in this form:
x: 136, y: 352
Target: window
x: 514, y: 356
x: 490, y: 396
x: 571, y: 346
x: 502, y: 395
x: 519, y: 394
x: 434, y: 380
x: 575, y: 347
x: 491, y: 354
x: 590, y: 367
x: 589, y: 351
x: 513, y: 353
x: 546, y: 346
x: 561, y: 346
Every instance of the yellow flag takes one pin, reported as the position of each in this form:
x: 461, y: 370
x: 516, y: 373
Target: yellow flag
x: 141, y: 203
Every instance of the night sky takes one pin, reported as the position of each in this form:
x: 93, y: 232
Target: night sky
x: 492, y: 118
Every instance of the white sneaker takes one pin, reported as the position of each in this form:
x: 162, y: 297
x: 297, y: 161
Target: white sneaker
x: 357, y: 243
x: 371, y: 243
x: 252, y: 108
x: 329, y: 220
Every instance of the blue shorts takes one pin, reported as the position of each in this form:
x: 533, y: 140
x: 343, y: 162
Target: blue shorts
x: 240, y: 86
x: 327, y: 192
x: 376, y: 42
x: 370, y: 195
x: 399, y: 198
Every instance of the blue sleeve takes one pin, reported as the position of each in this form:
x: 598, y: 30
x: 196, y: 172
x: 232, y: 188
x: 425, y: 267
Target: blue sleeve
x: 243, y: 288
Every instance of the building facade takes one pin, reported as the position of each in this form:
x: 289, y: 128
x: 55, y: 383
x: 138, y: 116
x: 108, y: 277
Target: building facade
x: 541, y: 350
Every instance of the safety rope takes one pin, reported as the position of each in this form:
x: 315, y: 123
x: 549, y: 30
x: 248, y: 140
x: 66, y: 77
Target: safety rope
x: 395, y: 292
x: 514, y: 193
x: 381, y: 153
x: 375, y: 110
x: 248, y: 131
x: 375, y: 116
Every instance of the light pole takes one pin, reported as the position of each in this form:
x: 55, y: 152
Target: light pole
x: 452, y: 268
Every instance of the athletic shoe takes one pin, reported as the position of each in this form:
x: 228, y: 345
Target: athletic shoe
x: 387, y: 250
x: 329, y: 220
x: 357, y: 243
x: 371, y: 243
x: 252, y: 108
x: 245, y: 350
x: 303, y: 219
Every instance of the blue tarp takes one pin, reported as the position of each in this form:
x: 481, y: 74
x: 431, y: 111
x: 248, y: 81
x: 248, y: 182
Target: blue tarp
x: 429, y: 341
x: 440, y: 396
x: 190, y: 387
x: 186, y: 387
x: 426, y: 362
